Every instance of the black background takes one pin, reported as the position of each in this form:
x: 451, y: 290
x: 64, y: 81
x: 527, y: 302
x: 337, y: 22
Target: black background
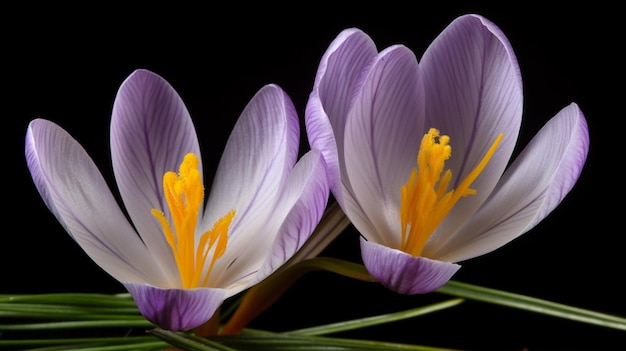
x: 65, y: 64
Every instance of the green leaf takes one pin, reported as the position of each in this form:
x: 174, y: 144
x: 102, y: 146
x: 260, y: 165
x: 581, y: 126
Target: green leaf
x: 70, y: 311
x: 375, y: 320
x: 145, y: 346
x: 527, y: 303
x: 188, y: 342
x: 101, y: 343
x: 40, y: 310
x: 265, y: 341
x: 79, y: 324
x: 73, y: 299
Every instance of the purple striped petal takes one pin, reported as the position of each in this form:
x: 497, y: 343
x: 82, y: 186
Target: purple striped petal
x: 474, y: 93
x: 304, y: 201
x: 569, y: 130
x: 176, y: 309
x: 77, y: 194
x: 537, y: 181
x: 296, y: 213
x: 403, y: 273
x: 383, y: 133
x: 39, y: 131
x: 151, y: 131
x: 261, y: 150
x: 338, y: 73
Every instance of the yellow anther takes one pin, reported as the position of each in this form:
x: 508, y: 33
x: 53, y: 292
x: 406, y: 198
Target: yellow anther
x: 184, y: 193
x: 425, y: 197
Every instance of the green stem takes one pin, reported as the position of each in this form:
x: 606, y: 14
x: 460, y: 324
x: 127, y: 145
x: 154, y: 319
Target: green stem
x: 263, y: 295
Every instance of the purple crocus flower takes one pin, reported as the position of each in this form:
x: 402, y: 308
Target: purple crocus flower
x: 178, y: 258
x: 418, y: 152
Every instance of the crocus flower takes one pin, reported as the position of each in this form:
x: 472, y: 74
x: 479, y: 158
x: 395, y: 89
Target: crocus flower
x: 419, y: 153
x: 179, y: 258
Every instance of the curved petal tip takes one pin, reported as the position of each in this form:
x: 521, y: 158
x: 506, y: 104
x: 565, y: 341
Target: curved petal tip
x: 176, y: 309
x: 403, y: 273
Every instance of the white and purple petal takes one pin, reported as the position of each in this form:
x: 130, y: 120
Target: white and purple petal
x: 473, y: 93
x: 79, y: 197
x: 261, y: 150
x: 298, y: 211
x: 176, y: 309
x: 383, y: 134
x: 151, y: 131
x: 403, y: 273
x: 569, y: 130
x: 39, y: 133
x: 339, y: 71
x: 535, y: 183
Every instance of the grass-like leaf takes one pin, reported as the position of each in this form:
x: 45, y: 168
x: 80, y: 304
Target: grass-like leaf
x: 40, y: 310
x: 69, y: 311
x: 523, y: 302
x: 73, y: 299
x: 78, y: 324
x: 375, y: 320
x: 97, y: 343
x: 189, y: 342
x: 265, y: 341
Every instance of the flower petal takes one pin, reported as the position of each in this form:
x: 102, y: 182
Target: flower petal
x: 569, y: 130
x: 176, y: 309
x: 299, y: 210
x: 531, y: 188
x: 261, y: 150
x: 382, y: 139
x: 151, y: 131
x: 38, y: 133
x: 77, y: 194
x: 474, y: 93
x: 403, y: 273
x: 338, y: 73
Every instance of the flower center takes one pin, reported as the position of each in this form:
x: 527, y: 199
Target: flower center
x: 184, y: 193
x: 425, y: 197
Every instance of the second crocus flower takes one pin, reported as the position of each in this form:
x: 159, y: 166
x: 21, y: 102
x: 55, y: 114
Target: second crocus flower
x: 419, y: 153
x: 180, y: 256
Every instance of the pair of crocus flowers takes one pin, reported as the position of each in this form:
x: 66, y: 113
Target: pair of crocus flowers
x: 416, y: 155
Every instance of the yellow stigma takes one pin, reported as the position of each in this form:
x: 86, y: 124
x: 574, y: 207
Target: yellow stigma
x: 425, y: 199
x: 184, y: 193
